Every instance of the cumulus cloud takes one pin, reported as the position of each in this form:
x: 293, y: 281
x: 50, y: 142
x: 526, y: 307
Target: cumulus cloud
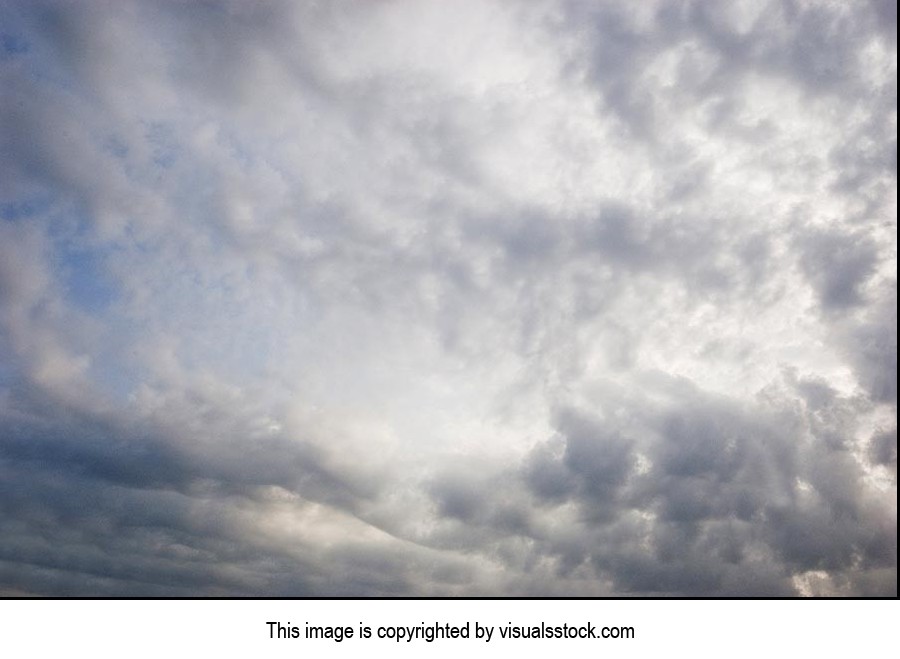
x: 425, y: 298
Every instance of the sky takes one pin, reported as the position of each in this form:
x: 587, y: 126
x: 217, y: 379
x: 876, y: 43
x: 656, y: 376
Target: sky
x: 423, y: 298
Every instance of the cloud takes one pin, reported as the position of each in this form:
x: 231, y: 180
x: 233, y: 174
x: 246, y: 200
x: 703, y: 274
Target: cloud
x: 415, y: 298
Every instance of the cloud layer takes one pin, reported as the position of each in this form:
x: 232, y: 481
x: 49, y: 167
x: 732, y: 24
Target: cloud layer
x: 427, y: 298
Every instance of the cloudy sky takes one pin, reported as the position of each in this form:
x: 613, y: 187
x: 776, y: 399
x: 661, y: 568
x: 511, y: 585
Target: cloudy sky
x: 448, y: 298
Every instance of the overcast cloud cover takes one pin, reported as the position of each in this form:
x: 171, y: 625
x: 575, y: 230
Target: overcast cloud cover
x: 448, y: 298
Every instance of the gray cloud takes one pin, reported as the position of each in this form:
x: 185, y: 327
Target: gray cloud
x: 380, y: 299
x: 838, y: 265
x: 707, y: 498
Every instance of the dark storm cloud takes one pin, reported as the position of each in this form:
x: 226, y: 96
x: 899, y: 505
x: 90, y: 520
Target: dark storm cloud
x: 598, y: 463
x: 93, y: 507
x: 722, y: 500
x: 883, y: 449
